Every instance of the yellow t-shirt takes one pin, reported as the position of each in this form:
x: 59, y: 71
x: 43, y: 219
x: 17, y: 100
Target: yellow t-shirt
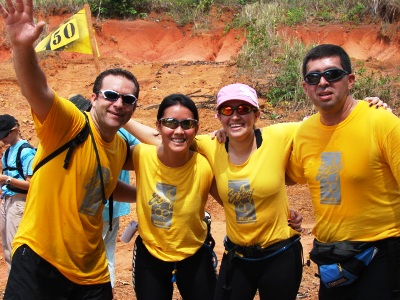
x: 353, y: 172
x: 62, y: 221
x: 171, y: 203
x: 254, y: 193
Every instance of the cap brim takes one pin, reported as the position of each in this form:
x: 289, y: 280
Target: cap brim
x: 3, y: 133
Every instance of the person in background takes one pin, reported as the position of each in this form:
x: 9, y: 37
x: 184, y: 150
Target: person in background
x: 58, y: 251
x: 14, y: 181
x: 349, y: 156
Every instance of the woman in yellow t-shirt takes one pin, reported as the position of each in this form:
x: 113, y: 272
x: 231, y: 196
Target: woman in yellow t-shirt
x: 261, y: 251
x: 173, y: 183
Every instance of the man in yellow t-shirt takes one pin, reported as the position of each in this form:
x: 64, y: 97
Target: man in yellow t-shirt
x: 349, y: 156
x: 58, y: 251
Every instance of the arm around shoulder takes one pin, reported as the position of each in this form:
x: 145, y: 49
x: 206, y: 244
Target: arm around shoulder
x: 143, y: 133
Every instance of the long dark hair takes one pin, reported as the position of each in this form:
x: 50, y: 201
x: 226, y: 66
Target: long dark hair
x: 175, y: 99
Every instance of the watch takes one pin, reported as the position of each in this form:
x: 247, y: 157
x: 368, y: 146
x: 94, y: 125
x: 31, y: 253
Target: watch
x: 8, y: 181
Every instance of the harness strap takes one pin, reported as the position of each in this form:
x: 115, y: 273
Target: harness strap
x: 257, y: 134
x: 16, y: 190
x: 71, y: 145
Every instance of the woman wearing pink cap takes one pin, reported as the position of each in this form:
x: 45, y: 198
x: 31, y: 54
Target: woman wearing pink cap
x: 261, y: 251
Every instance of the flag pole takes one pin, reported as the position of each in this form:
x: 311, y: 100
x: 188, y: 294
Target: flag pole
x: 92, y: 37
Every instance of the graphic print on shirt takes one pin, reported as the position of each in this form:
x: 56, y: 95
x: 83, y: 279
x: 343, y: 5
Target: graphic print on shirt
x: 329, y: 178
x: 241, y: 196
x: 162, y: 205
x: 94, y: 196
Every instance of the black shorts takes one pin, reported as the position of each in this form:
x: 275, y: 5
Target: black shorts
x: 31, y: 277
x: 153, y: 278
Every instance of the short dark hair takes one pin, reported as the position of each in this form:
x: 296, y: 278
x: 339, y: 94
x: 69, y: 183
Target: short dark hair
x: 175, y: 99
x: 115, y: 72
x: 324, y: 51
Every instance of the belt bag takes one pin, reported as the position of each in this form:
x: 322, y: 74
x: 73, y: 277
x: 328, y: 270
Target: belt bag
x: 341, y: 263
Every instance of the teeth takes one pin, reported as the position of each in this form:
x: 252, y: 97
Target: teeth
x: 235, y: 125
x: 178, y: 140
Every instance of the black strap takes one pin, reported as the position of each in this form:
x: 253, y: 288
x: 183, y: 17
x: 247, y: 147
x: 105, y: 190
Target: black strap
x: 100, y: 172
x: 16, y: 190
x: 71, y: 145
x: 258, y: 135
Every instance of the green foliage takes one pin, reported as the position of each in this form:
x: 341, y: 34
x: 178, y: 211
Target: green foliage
x: 286, y: 86
x: 357, y: 12
x: 120, y: 9
x: 370, y: 83
x: 295, y: 15
x: 50, y: 7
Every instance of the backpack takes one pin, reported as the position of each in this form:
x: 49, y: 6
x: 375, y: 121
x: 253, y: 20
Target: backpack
x: 18, y: 166
x: 18, y: 163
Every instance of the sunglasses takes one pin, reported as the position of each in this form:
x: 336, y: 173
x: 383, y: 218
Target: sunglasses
x: 8, y: 133
x: 114, y: 96
x: 330, y: 75
x: 173, y: 123
x: 241, y: 109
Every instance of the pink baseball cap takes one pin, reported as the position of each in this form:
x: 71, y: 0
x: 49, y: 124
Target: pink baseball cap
x: 237, y: 91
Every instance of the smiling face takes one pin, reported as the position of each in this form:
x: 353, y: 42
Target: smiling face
x: 177, y: 140
x: 328, y: 97
x: 238, y: 126
x: 108, y: 115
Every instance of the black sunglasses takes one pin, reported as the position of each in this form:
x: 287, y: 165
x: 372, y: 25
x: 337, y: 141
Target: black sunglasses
x: 173, y: 123
x: 330, y: 75
x: 241, y: 109
x: 8, y: 133
x: 114, y: 96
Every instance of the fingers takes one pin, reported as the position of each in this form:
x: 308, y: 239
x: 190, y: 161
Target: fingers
x: 19, y: 6
x: 10, y: 6
x: 295, y: 221
x: 213, y: 134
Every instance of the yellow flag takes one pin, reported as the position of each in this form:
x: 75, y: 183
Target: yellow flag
x: 71, y: 36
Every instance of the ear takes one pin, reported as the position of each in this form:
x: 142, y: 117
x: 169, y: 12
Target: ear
x: 93, y: 98
x: 352, y: 79
x: 305, y: 86
x: 158, y: 126
x: 134, y: 108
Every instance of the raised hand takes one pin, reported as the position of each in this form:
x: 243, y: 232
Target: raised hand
x: 19, y: 24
